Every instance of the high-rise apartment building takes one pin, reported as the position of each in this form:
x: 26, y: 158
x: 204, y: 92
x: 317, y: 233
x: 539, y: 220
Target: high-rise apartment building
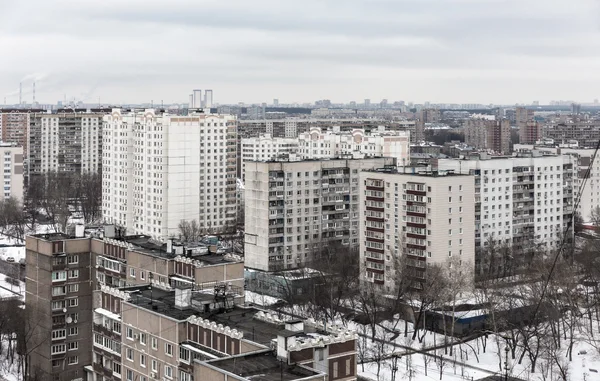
x: 68, y: 141
x: 160, y: 169
x: 519, y: 202
x: 420, y: 218
x: 570, y: 129
x: 530, y: 132
x: 11, y: 162
x: 293, y: 209
x: 208, y: 98
x: 266, y: 148
x: 14, y: 128
x: 488, y: 134
x: 523, y: 115
x: 316, y: 144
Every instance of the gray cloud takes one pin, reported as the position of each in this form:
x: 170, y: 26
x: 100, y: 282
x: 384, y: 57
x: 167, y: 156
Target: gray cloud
x: 437, y: 50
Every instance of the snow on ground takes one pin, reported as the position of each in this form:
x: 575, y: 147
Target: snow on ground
x: 8, y: 289
x: 16, y: 252
x: 9, y: 371
x: 259, y: 299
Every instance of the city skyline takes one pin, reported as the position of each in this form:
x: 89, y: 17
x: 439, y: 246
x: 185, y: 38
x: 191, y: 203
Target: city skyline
x: 463, y: 52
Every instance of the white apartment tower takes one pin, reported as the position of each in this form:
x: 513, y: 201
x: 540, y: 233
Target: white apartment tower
x: 266, y: 148
x: 424, y: 218
x: 316, y: 144
x: 11, y: 162
x: 520, y: 202
x: 293, y: 209
x: 160, y: 169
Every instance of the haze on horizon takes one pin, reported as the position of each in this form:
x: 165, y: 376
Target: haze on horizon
x: 462, y: 51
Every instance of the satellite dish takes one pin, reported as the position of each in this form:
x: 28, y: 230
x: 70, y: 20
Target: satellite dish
x: 64, y: 310
x: 69, y: 320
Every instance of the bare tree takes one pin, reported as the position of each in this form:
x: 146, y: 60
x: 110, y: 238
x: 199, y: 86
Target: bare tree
x: 595, y: 217
x: 189, y: 231
x: 12, y: 218
x: 90, y: 195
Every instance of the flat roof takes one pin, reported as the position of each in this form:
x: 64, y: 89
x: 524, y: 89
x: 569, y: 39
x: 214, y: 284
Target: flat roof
x: 262, y: 366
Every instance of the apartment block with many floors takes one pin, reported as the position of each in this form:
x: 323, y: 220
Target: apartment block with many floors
x: 67, y: 141
x: 11, y: 162
x: 160, y: 169
x: 488, y: 134
x: 293, y: 209
x: 266, y: 148
x: 14, y: 128
x: 64, y: 273
x: 317, y: 144
x: 520, y: 202
x: 420, y: 217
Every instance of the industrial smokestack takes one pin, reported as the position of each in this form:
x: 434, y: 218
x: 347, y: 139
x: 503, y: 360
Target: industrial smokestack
x: 20, y: 93
x: 33, y: 93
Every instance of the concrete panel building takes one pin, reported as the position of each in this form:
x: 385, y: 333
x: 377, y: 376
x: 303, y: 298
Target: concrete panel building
x: 11, y: 162
x: 292, y: 209
x: 423, y: 218
x: 488, y: 135
x: 14, y: 128
x: 160, y: 169
x: 66, y: 141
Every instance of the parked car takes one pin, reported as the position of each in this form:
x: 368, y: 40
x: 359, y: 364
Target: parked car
x: 10, y: 259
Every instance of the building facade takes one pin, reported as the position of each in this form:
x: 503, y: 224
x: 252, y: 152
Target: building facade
x: 266, y: 148
x: 523, y: 203
x: 488, y: 134
x: 11, y: 162
x: 14, y: 128
x: 316, y: 144
x: 423, y: 218
x: 585, y: 132
x: 293, y: 209
x: 530, y: 132
x: 65, y: 142
x: 77, y: 327
x: 161, y: 169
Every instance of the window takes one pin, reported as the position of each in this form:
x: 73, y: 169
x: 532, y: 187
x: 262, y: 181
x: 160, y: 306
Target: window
x: 143, y: 338
x: 143, y: 360
x: 132, y: 272
x: 72, y: 360
x: 184, y: 354
x: 154, y: 365
x: 348, y: 369
x: 129, y: 333
x: 168, y: 349
x: 129, y: 354
x: 73, y: 302
x: 73, y: 331
x: 142, y: 275
x: 73, y: 288
x: 73, y: 274
x: 73, y: 346
x: 116, y: 367
x: 59, y: 276
x: 58, y: 334
x: 335, y: 369
x: 168, y: 372
x: 129, y: 375
x: 72, y: 259
x: 58, y: 348
x: 56, y: 363
x: 154, y: 342
x: 184, y: 376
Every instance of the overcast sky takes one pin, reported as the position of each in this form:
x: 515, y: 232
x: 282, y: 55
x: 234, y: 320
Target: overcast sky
x: 475, y: 51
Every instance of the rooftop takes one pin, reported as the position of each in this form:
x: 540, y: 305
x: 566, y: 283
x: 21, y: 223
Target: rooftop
x: 416, y: 171
x: 264, y: 366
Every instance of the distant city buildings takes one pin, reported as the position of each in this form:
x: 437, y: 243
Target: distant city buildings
x: 14, y: 128
x: 295, y: 209
x: 488, y: 134
x: 161, y: 169
x: 266, y: 148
